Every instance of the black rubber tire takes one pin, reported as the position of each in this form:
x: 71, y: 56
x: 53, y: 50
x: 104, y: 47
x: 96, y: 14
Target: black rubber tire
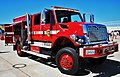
x: 97, y: 61
x: 71, y: 52
x: 19, y: 52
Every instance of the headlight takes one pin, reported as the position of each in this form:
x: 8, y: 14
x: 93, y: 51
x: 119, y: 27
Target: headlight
x: 74, y: 37
x: 78, y: 39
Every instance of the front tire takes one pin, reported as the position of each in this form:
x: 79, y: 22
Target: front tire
x: 97, y: 61
x: 67, y: 60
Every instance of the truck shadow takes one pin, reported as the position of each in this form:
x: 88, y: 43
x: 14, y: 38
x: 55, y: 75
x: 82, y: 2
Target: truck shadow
x: 49, y: 62
x: 107, y: 69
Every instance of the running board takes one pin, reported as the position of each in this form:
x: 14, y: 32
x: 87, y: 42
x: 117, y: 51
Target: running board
x: 36, y: 54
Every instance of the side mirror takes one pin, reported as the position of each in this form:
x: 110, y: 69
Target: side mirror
x: 43, y: 17
x: 43, y: 21
x: 28, y: 19
x: 91, y: 18
x: 88, y: 17
x: 84, y: 17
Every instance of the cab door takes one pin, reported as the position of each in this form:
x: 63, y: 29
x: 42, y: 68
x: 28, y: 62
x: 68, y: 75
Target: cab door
x: 47, y: 25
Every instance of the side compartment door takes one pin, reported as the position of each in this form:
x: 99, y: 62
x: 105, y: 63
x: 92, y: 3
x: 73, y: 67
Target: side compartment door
x: 9, y: 35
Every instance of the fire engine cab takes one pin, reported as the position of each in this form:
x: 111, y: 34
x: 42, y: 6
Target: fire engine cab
x: 62, y: 34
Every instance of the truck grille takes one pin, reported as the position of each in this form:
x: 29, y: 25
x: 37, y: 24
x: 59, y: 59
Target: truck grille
x: 97, y: 33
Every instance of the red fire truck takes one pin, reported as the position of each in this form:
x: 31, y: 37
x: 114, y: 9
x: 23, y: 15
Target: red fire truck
x: 64, y: 35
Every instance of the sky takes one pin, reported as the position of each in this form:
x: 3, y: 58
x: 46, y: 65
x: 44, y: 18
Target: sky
x: 104, y: 10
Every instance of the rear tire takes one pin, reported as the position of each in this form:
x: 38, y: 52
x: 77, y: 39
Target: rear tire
x: 97, y: 61
x: 67, y: 60
x: 19, y: 52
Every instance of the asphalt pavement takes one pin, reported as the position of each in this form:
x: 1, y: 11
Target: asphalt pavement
x: 11, y: 65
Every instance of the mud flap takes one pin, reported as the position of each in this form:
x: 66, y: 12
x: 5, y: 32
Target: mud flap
x: 14, y: 47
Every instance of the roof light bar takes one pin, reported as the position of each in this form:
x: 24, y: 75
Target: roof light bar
x: 62, y: 8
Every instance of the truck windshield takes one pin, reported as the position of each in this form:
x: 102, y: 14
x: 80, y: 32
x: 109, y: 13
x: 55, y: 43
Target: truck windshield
x: 64, y: 16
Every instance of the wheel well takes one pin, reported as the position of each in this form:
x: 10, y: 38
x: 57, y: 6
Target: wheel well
x: 61, y: 42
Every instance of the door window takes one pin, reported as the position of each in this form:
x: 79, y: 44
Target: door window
x: 37, y: 19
